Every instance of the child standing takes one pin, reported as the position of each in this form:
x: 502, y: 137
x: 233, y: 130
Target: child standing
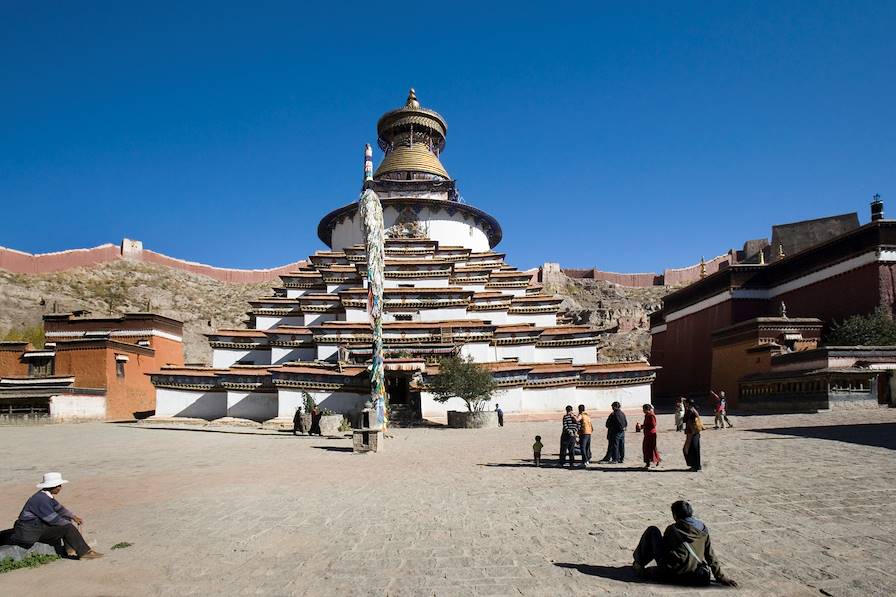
x: 536, y: 450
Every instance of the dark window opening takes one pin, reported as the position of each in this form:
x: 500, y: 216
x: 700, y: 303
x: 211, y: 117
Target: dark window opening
x: 41, y: 367
x: 119, y: 368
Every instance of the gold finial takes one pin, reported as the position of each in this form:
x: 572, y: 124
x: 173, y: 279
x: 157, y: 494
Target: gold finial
x: 762, y: 257
x: 780, y: 251
x: 412, y: 99
x: 702, y: 267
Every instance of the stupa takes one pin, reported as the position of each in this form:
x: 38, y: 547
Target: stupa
x: 447, y: 292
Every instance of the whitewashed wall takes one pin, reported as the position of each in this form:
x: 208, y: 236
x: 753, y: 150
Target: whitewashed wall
x: 266, y: 322
x: 297, y: 292
x: 327, y: 352
x: 77, y: 408
x: 443, y: 314
x: 447, y: 229
x: 524, y: 352
x: 416, y: 282
x: 338, y: 402
x: 318, y: 318
x: 541, y: 320
x: 282, y: 354
x: 190, y: 403
x: 480, y: 352
x: 552, y: 400
x: 580, y: 355
x: 255, y: 406
x: 222, y: 358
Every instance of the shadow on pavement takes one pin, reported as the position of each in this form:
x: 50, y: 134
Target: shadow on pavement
x: 335, y: 448
x: 602, y: 469
x: 207, y: 430
x: 627, y: 574
x: 881, y: 435
x: 620, y: 573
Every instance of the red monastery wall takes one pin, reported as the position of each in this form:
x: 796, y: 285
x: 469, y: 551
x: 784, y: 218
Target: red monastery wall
x: 19, y: 262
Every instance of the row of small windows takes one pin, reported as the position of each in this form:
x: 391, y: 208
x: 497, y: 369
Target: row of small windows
x: 806, y: 387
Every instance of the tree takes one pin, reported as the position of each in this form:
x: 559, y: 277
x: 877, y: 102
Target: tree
x: 874, y: 329
x: 462, y: 378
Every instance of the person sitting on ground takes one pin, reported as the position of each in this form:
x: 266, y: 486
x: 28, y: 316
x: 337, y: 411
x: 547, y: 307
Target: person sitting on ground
x: 45, y: 520
x: 536, y: 450
x: 683, y: 553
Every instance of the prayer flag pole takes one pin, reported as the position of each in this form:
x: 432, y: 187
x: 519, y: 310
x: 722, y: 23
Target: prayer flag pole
x: 371, y: 212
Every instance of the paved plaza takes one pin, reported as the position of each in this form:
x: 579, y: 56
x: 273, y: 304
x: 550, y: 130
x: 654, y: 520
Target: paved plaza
x: 797, y: 505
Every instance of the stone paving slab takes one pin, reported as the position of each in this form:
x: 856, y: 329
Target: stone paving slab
x: 796, y: 507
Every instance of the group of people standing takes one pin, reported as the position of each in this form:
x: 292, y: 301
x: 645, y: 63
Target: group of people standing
x: 298, y: 424
x: 578, y: 428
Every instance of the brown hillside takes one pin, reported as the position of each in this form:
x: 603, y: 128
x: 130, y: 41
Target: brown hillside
x: 202, y: 303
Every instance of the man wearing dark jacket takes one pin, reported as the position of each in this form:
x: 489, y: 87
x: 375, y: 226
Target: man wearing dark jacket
x: 616, y: 424
x: 683, y: 553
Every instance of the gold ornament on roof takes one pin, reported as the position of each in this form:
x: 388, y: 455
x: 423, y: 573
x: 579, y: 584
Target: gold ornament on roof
x: 412, y: 99
x: 702, y: 268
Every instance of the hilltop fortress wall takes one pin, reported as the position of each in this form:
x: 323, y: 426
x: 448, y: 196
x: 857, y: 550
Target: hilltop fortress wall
x: 548, y: 273
x: 19, y: 262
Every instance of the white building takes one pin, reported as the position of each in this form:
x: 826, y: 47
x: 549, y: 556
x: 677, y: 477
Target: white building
x: 446, y: 292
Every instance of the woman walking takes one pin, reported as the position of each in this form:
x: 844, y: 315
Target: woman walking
x: 648, y: 446
x: 693, y: 425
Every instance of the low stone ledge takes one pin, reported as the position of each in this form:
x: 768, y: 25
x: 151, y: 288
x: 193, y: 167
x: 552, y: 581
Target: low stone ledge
x: 234, y: 422
x: 173, y: 421
x: 475, y: 420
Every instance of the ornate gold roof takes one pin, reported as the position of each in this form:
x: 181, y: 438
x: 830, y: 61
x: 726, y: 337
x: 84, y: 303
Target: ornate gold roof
x: 412, y: 138
x: 416, y: 158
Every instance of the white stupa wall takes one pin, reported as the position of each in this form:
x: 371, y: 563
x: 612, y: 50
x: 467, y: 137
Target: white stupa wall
x: 339, y: 402
x: 580, y: 355
x: 318, y: 318
x: 552, y: 400
x: 222, y: 358
x: 281, y: 354
x: 541, y: 320
x: 255, y: 406
x: 266, y: 322
x: 197, y: 404
x: 448, y: 229
x: 416, y: 283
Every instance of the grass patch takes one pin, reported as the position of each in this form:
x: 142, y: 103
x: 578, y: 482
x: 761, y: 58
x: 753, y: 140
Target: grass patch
x: 122, y: 545
x: 34, y: 561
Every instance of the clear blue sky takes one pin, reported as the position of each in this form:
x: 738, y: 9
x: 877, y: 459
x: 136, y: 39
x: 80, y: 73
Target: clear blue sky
x: 628, y: 136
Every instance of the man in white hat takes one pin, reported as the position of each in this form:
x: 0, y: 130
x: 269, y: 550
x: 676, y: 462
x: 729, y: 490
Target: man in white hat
x: 45, y: 520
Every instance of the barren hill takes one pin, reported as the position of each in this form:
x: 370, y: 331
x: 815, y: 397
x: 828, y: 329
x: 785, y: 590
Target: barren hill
x: 620, y: 309
x: 202, y: 303
x: 205, y: 304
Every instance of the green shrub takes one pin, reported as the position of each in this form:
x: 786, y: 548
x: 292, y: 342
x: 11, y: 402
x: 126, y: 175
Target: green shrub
x: 33, y: 334
x: 875, y: 329
x: 32, y: 561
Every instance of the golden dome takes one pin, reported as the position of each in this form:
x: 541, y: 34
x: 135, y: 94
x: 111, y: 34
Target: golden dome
x: 413, y: 158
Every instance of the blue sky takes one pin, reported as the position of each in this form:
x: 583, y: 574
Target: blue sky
x: 628, y: 136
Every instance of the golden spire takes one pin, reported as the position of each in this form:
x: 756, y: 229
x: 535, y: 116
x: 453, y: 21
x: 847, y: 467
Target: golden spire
x: 702, y: 268
x: 412, y: 99
x: 762, y: 257
x: 780, y: 251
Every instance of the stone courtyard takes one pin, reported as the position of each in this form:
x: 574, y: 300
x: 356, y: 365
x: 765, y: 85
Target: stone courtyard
x: 797, y: 505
